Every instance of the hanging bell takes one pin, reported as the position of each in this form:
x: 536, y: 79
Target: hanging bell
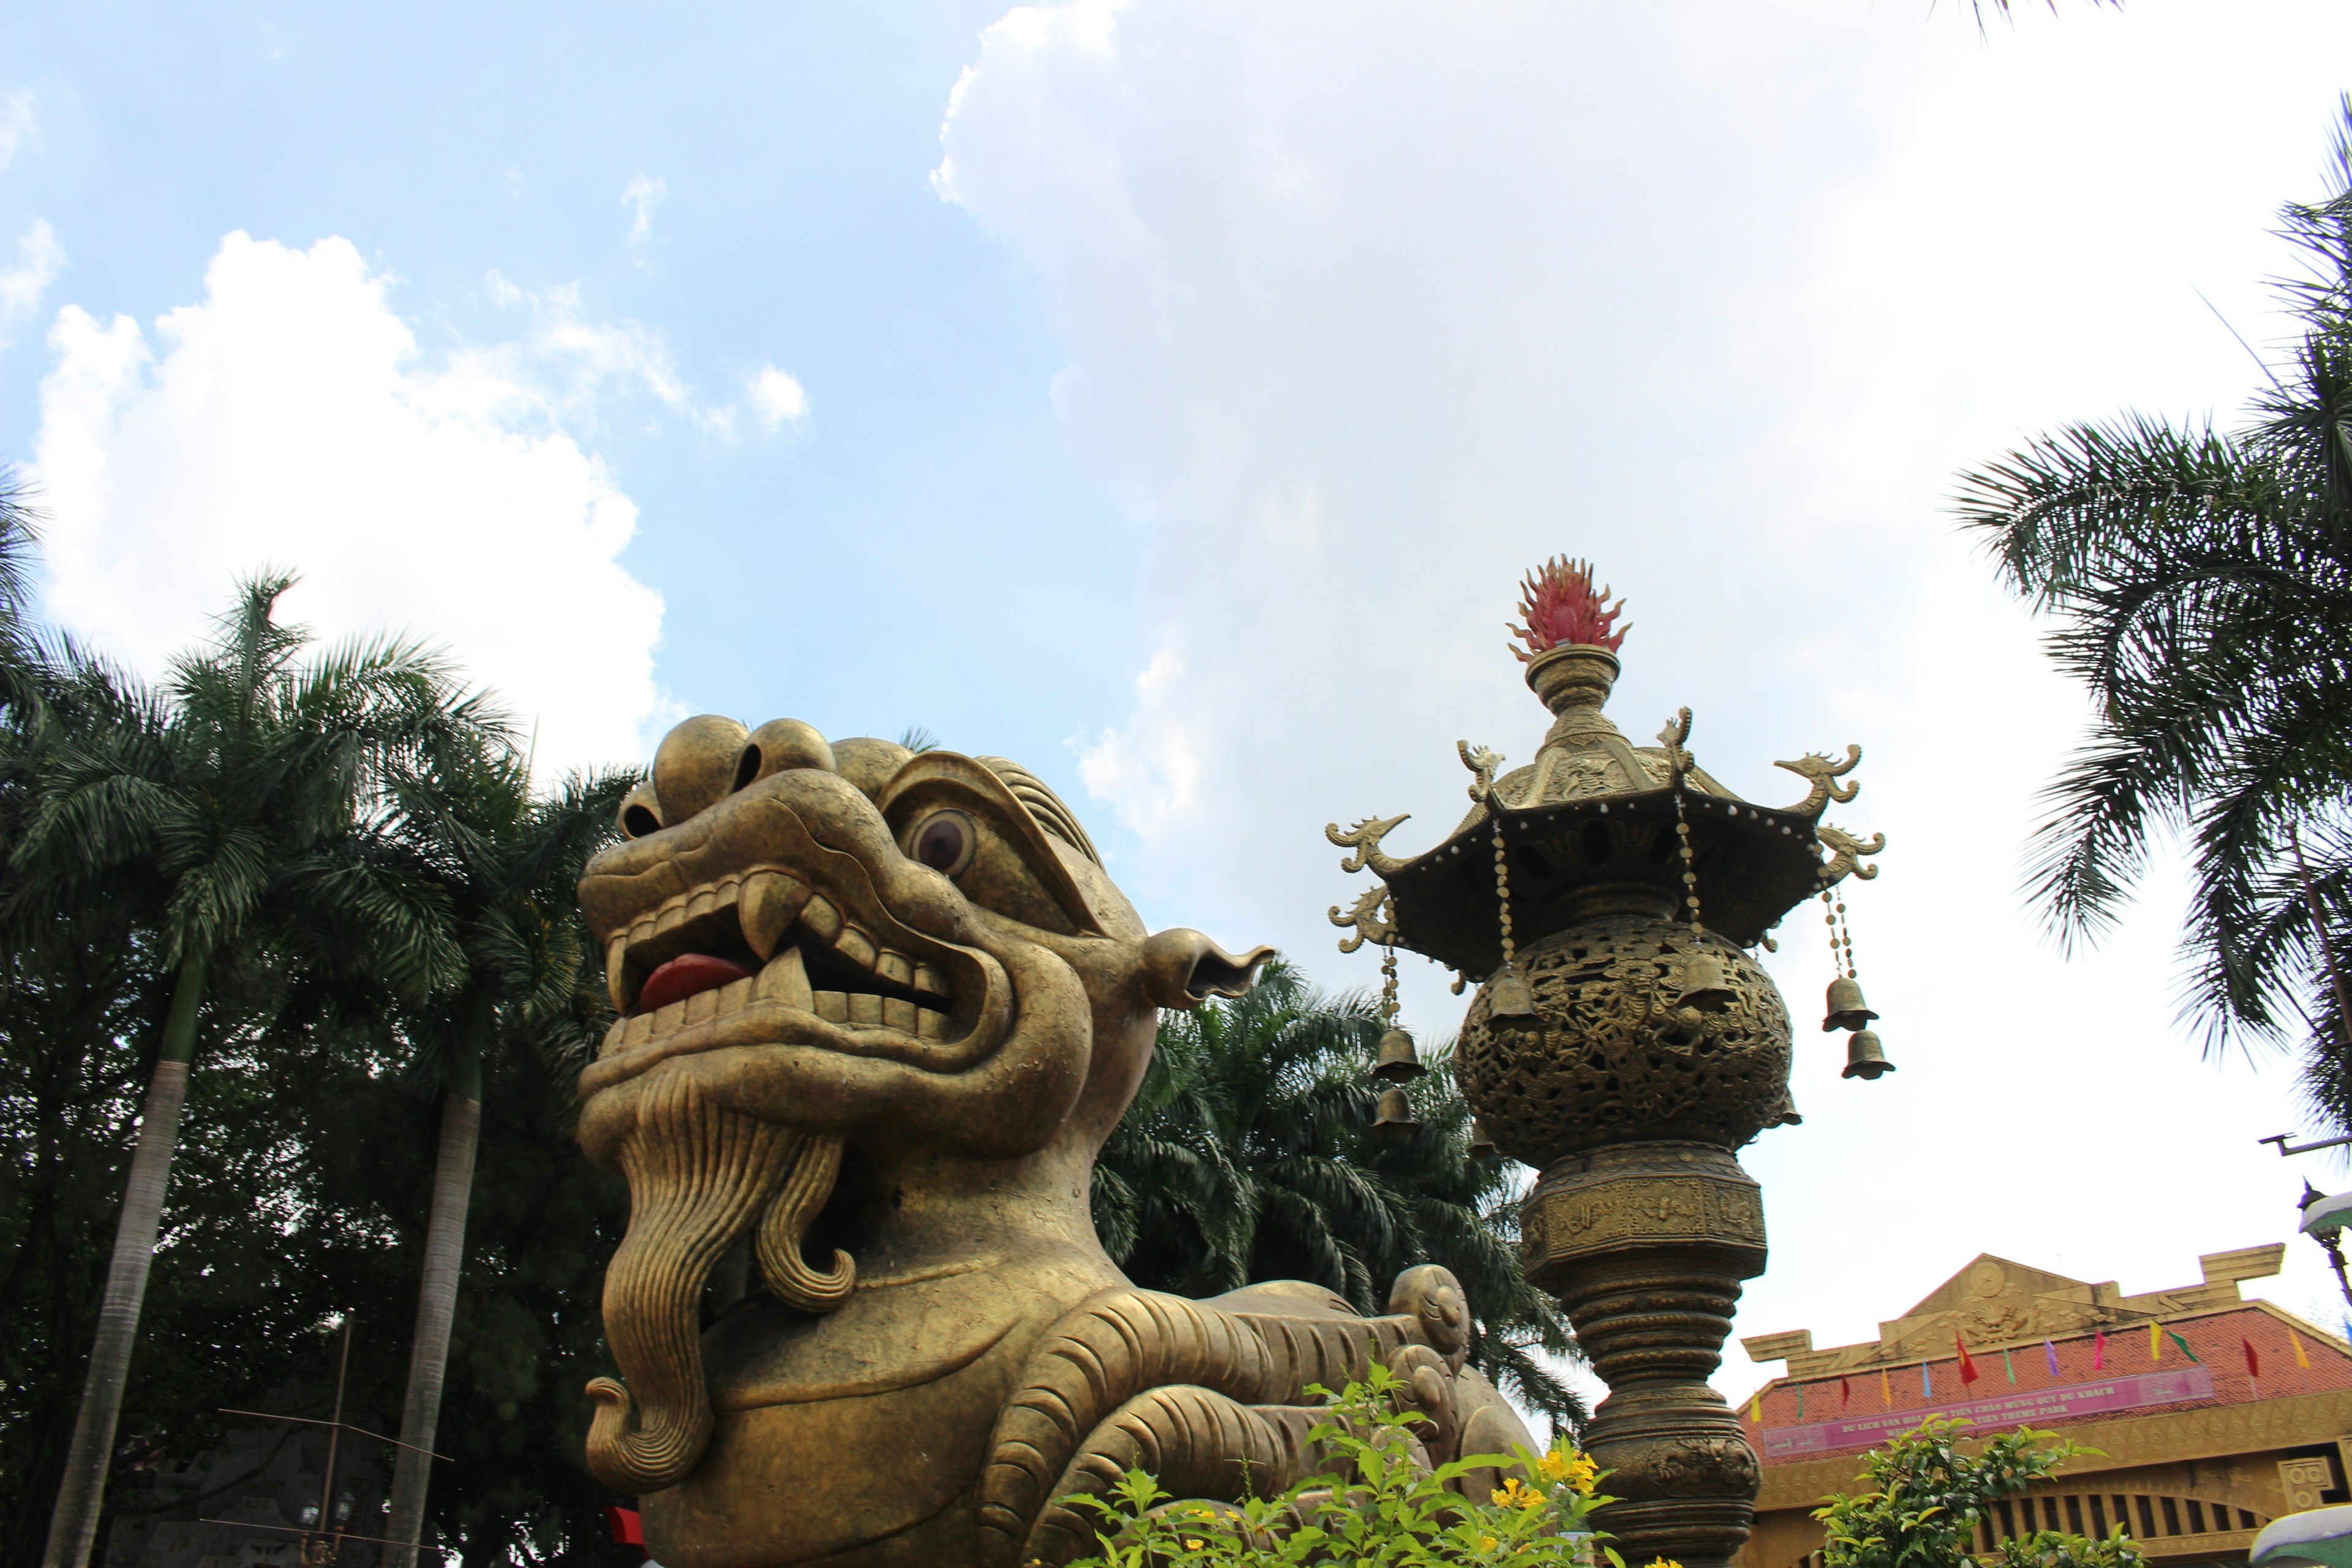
x: 1482, y: 1142
x: 1396, y: 1120
x: 1847, y: 1010
x: 1864, y: 1058
x: 1508, y: 996
x: 1397, y: 1060
x: 1704, y: 986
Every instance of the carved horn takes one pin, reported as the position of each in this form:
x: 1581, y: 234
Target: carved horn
x: 1182, y: 969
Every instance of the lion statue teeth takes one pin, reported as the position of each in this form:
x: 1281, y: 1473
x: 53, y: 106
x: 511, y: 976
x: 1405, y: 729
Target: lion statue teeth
x: 878, y: 1011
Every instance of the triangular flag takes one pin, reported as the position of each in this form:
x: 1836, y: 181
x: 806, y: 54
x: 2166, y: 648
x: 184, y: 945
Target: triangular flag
x: 1845, y: 1393
x: 2155, y: 1342
x: 1885, y: 1389
x: 1801, y: 1404
x: 1756, y: 1407
x: 2253, y: 1362
x: 2175, y: 1339
x: 1967, y: 1362
x: 2301, y: 1359
x: 2051, y: 1352
x: 2099, y: 1349
x: 1927, y: 1385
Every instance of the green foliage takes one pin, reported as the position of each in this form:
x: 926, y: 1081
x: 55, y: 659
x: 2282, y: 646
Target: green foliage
x: 2201, y: 586
x: 1378, y: 1505
x: 1928, y: 1496
x: 350, y: 841
x: 2057, y: 1549
x: 1249, y: 1154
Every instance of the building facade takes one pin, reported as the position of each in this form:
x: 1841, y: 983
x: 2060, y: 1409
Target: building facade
x: 2214, y: 1415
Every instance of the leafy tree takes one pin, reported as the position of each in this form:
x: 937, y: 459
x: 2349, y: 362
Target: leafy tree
x: 503, y: 864
x: 230, y: 801
x: 2201, y: 582
x: 1249, y: 1153
x: 1928, y: 1496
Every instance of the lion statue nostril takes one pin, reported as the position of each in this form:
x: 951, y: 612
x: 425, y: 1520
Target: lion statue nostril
x: 780, y: 745
x: 695, y: 767
x: 640, y: 813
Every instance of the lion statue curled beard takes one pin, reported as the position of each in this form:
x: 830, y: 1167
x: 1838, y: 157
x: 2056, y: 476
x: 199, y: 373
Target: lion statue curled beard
x: 882, y: 1007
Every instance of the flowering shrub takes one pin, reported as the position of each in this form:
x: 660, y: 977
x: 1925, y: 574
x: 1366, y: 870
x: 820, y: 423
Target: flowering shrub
x: 1559, y: 605
x: 1378, y: 1506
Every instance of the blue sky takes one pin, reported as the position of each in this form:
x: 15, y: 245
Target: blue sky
x: 795, y: 226
x: 1169, y: 393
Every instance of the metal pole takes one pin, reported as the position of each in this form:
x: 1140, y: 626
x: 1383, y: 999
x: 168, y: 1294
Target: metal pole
x: 334, y: 1439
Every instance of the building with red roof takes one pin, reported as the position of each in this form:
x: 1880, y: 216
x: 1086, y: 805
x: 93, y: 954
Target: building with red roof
x: 2215, y: 1415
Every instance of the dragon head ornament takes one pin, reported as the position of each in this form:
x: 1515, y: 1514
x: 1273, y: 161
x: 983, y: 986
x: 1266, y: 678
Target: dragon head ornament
x: 880, y: 1009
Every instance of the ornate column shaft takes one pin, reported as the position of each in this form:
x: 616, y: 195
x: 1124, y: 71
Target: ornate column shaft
x: 1645, y: 1246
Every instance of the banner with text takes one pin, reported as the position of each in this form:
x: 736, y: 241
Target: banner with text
x: 2038, y: 1407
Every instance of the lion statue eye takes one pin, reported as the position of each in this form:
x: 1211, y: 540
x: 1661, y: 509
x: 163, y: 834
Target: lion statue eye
x: 944, y: 841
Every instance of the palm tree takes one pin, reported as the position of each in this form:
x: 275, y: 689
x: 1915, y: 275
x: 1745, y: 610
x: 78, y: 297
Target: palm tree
x: 503, y: 864
x: 231, y: 798
x: 2202, y: 583
x: 1249, y: 1154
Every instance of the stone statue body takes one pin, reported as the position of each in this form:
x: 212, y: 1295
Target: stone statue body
x: 885, y: 1007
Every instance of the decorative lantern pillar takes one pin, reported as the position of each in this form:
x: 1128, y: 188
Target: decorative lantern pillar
x: 1624, y: 1042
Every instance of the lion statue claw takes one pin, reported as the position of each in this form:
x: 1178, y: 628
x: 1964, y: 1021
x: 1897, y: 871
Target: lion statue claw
x: 878, y: 1011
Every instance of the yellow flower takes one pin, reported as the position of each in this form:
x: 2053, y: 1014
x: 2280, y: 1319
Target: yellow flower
x: 1565, y: 1464
x: 1663, y: 1563
x: 1192, y: 1546
x: 1488, y: 1543
x: 1515, y: 1495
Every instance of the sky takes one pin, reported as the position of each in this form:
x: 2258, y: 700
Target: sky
x: 1169, y: 395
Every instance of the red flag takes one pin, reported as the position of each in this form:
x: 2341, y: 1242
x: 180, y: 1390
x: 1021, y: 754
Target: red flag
x: 1967, y: 1364
x: 2099, y: 1351
x: 2253, y: 1362
x: 1845, y: 1392
x: 627, y: 1529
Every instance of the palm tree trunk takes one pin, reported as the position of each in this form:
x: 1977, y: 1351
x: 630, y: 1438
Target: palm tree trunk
x: 437, y: 1294
x: 73, y: 1527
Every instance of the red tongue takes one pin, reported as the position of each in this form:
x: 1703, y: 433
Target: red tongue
x: 689, y: 975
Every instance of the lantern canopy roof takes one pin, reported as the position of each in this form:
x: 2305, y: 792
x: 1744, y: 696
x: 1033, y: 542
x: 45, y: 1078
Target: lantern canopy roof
x: 1589, y: 823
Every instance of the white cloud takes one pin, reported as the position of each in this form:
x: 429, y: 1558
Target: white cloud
x: 1149, y: 769
x: 289, y: 420
x: 568, y: 364
x: 779, y: 399
x: 642, y: 196
x: 20, y: 126
x: 1369, y: 307
x: 39, y: 259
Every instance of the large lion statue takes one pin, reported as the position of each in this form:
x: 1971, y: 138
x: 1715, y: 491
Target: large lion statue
x: 880, y: 1009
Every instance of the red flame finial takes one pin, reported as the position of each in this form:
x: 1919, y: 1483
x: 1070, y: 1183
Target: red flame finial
x: 1560, y: 606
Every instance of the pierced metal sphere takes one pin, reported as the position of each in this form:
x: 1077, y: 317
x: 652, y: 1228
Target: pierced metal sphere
x: 1612, y: 1057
